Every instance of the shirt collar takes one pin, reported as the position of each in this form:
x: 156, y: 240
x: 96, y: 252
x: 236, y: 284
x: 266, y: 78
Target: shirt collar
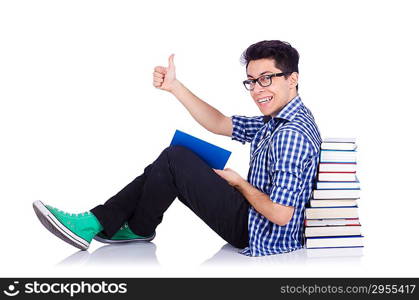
x: 288, y: 111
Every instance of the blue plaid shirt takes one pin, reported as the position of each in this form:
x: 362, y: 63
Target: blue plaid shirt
x: 284, y: 155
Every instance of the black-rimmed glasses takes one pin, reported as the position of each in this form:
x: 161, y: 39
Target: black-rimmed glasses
x: 264, y: 80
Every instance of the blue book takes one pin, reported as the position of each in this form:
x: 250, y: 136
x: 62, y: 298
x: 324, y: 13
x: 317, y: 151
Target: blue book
x: 216, y: 157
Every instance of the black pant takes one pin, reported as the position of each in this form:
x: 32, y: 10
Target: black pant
x: 180, y: 173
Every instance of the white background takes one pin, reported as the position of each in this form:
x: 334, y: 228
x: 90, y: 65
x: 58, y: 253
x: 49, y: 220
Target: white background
x: 80, y: 119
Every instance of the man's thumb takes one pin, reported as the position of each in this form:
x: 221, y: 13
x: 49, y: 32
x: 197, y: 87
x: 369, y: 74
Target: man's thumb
x: 171, y: 62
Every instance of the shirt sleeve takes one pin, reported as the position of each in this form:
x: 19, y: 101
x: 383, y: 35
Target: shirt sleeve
x: 291, y: 152
x: 245, y: 128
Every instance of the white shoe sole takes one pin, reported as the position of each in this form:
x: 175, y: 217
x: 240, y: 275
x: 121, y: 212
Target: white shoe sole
x: 57, y: 228
x: 108, y: 241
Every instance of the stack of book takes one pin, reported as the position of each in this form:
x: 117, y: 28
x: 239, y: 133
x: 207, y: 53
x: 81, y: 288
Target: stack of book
x: 332, y: 219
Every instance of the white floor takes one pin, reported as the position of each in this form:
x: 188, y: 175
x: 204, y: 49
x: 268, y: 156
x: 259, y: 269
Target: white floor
x: 197, y: 251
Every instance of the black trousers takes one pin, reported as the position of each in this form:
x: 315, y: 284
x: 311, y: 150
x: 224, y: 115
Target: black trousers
x: 177, y: 173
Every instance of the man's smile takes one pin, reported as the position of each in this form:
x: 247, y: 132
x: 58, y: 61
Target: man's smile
x: 265, y: 99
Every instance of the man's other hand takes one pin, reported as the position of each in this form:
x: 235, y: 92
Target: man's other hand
x: 232, y: 177
x: 164, y: 78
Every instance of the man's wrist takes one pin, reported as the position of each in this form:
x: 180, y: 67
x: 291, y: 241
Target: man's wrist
x: 176, y: 87
x: 241, y: 184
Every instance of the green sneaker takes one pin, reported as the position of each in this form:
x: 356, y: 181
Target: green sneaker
x: 75, y: 229
x: 123, y: 235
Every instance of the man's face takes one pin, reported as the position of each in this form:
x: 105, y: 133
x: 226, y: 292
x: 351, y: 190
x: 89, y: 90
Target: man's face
x: 273, y: 98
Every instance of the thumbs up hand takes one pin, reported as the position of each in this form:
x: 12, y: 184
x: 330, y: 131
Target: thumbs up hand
x: 164, y: 78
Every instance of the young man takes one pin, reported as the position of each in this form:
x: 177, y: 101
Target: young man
x: 263, y: 214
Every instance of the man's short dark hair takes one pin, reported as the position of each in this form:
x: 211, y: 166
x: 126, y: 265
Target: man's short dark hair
x: 286, y: 57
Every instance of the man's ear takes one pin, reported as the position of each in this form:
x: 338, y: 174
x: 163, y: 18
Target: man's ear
x: 293, y: 79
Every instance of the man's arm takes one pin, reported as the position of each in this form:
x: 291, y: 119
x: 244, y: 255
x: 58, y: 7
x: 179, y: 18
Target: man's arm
x: 274, y: 212
x: 206, y: 115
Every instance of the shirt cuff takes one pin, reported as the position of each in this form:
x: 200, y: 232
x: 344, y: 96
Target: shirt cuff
x: 283, y: 196
x: 239, y: 133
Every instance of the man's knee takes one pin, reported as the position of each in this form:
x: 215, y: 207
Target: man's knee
x: 177, y: 151
x: 179, y: 154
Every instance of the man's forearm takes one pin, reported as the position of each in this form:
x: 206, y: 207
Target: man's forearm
x: 206, y: 115
x: 260, y: 201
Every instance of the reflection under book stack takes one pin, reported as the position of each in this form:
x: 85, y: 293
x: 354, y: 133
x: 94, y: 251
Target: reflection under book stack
x: 332, y: 219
